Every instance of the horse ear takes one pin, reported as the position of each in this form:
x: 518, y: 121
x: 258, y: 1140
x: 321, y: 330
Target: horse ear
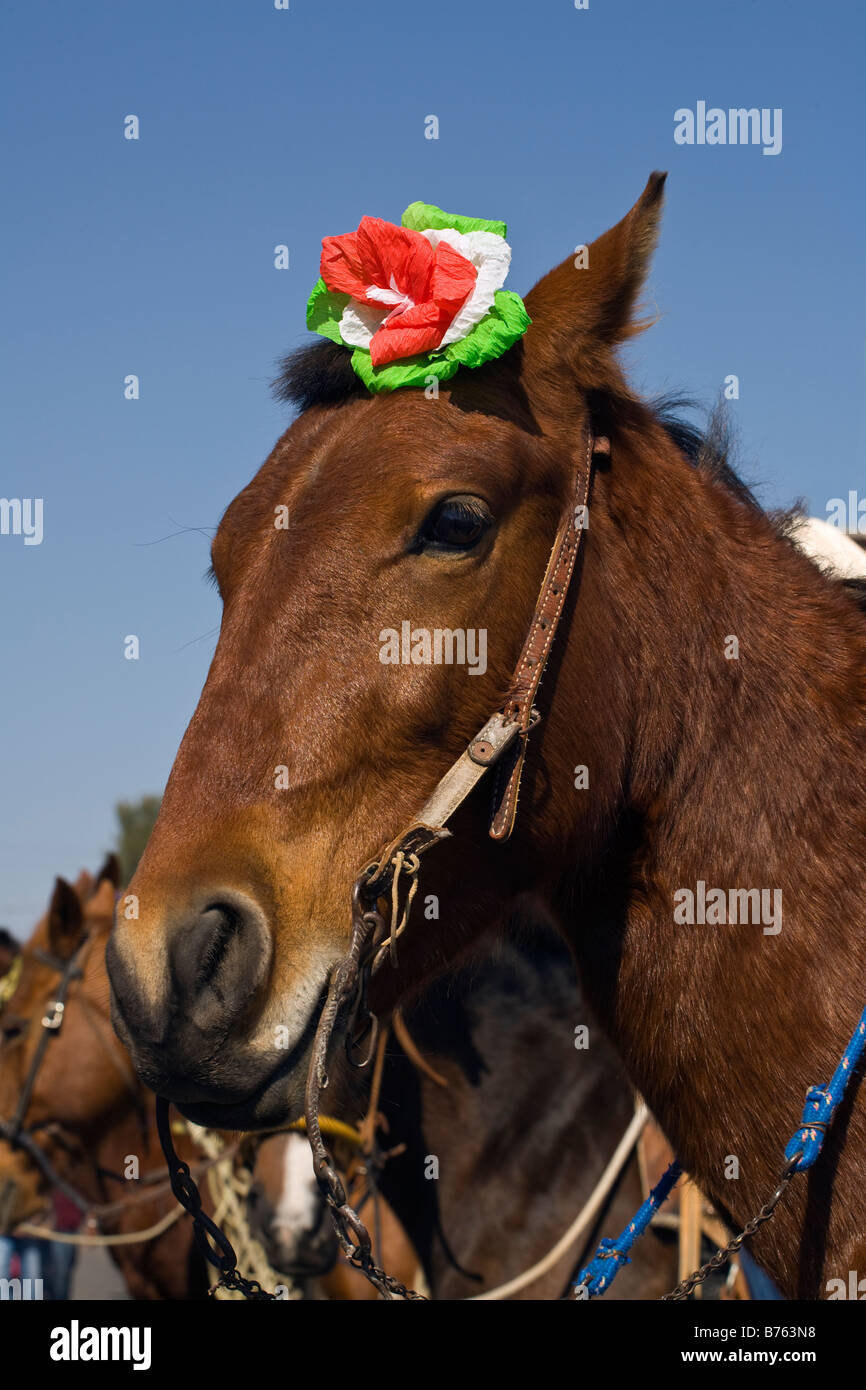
x: 110, y: 870
x: 84, y: 884
x: 590, y: 298
x: 65, y: 919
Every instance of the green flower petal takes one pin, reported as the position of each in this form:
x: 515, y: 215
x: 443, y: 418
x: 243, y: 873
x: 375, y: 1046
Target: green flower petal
x: 324, y: 311
x: 420, y: 216
x: 410, y: 371
x: 495, y: 334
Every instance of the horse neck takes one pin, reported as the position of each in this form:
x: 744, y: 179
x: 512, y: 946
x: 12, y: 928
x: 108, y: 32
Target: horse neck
x: 124, y: 1122
x: 741, y: 772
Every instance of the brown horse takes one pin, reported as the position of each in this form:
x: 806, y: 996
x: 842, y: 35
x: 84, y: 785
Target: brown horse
x: 708, y: 678
x: 87, y: 1113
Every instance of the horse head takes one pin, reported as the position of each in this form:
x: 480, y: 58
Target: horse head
x: 287, y: 1211
x: 54, y: 1084
x: 326, y: 719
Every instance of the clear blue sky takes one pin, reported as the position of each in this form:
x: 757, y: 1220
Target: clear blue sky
x: 261, y: 127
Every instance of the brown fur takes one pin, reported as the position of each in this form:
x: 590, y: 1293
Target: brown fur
x: 742, y: 773
x: 87, y: 1092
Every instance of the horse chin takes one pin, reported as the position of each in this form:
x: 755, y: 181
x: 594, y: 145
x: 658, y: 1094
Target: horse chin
x: 278, y: 1102
x: 238, y: 1087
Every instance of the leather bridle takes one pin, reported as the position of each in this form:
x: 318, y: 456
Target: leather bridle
x: 13, y: 1130
x: 52, y: 1021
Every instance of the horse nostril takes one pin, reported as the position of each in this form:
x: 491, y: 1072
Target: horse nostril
x: 218, y: 924
x: 218, y: 959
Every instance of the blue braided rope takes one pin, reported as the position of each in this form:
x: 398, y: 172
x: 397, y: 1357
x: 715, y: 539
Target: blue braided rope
x: 611, y: 1255
x: 821, y: 1103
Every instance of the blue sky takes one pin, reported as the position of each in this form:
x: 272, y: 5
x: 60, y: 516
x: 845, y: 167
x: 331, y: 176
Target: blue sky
x: 260, y: 127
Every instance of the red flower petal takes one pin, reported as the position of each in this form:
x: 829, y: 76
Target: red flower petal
x: 394, y: 255
x: 453, y: 277
x: 419, y: 329
x: 340, y: 266
x: 381, y: 255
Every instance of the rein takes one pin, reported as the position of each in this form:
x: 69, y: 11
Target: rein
x: 801, y: 1151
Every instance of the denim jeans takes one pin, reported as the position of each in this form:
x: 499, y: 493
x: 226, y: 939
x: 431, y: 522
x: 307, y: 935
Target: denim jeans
x: 30, y: 1253
x: 59, y: 1261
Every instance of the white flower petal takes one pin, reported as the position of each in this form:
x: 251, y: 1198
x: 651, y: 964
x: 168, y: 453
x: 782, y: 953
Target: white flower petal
x: 383, y: 296
x: 360, y: 321
x: 491, y: 256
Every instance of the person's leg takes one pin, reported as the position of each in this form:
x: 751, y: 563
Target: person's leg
x: 7, y: 1249
x: 59, y: 1263
x: 30, y: 1252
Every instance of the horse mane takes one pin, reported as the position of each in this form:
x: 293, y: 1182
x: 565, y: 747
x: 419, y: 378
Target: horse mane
x: 317, y: 373
x: 710, y: 450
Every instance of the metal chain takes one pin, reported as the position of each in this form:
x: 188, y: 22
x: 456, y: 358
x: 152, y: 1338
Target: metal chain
x: 346, y: 1001
x: 721, y: 1257
x: 213, y: 1243
x: 347, y: 998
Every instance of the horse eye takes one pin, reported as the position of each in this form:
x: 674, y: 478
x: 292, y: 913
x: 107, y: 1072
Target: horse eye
x: 457, y: 524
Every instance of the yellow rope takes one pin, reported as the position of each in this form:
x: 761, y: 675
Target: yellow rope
x: 328, y: 1125
x: 337, y: 1129
x: 9, y: 981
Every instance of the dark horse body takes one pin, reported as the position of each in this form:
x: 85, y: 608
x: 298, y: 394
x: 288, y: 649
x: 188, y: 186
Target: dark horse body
x: 741, y: 772
x: 496, y: 1164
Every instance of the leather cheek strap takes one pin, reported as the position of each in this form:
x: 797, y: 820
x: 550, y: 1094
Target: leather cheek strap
x: 501, y: 743
x: 520, y: 706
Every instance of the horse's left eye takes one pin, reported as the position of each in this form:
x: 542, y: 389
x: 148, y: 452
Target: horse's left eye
x: 457, y: 524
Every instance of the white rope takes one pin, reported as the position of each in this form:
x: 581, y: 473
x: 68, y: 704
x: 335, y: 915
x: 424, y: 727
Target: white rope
x: 229, y: 1187
x: 581, y: 1224
x: 27, y: 1228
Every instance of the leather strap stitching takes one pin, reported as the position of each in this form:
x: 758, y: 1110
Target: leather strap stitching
x: 559, y: 572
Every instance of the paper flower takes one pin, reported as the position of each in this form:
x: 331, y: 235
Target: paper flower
x: 418, y: 300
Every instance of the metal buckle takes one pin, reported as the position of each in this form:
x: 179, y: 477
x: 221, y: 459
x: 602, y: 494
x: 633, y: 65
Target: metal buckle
x: 491, y: 742
x: 54, y: 1018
